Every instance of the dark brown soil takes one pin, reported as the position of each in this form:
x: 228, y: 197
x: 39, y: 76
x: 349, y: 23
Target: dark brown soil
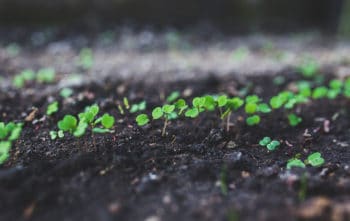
x: 135, y: 174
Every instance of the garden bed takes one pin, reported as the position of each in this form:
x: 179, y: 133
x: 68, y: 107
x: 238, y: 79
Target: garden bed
x: 197, y: 171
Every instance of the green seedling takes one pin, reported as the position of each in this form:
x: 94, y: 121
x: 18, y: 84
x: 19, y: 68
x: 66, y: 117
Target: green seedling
x: 308, y: 68
x: 126, y: 103
x: 86, y: 59
x: 315, y: 159
x: 199, y: 105
x: 227, y: 106
x: 294, y: 120
x: 166, y: 112
x: 279, y: 100
x: 319, y: 92
x: 52, y: 108
x: 180, y: 106
x: 46, y: 75
x: 347, y: 88
x: 138, y: 107
x: 66, y: 92
x: 304, y: 88
x: 253, y: 120
x: 21, y: 79
x: 335, y: 88
x: 87, y: 118
x: 173, y: 96
x: 269, y: 144
x: 295, y: 163
x: 9, y: 133
x: 142, y: 119
x: 55, y: 134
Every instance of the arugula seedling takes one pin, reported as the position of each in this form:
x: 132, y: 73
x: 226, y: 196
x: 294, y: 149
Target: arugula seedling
x: 9, y: 133
x: 142, y: 119
x: 138, y: 107
x: 315, y: 159
x: 66, y: 92
x: 335, y: 87
x: 173, y: 96
x: 294, y: 120
x: 230, y: 104
x: 21, y: 79
x: 269, y: 144
x: 308, y: 68
x: 295, y: 163
x: 253, y: 120
x: 319, y: 92
x: 46, y: 75
x: 52, y: 108
x: 164, y: 112
x: 55, y: 134
x: 86, y: 59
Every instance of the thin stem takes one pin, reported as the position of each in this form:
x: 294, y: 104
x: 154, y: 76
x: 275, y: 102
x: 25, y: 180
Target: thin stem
x: 228, y: 122
x: 164, y: 127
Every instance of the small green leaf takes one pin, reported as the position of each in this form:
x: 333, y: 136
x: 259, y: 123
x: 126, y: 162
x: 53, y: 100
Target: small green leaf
x: 81, y: 129
x: 253, y: 120
x: 264, y: 108
x: 168, y: 108
x: 53, y: 135
x: 315, y: 159
x: 107, y: 121
x: 66, y: 92
x: 264, y: 141
x: 69, y: 123
x: 192, y: 113
x: 319, y: 92
x: 294, y: 120
x: 142, y: 119
x: 52, y: 108
x: 101, y: 130
x: 250, y: 108
x: 295, y: 163
x: 157, y: 113
x: 173, y: 96
x: 273, y: 145
x: 222, y: 100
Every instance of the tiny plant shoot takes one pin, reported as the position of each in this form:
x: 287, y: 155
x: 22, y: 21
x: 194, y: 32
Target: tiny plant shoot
x: 52, y: 108
x: 271, y: 145
x: 9, y: 133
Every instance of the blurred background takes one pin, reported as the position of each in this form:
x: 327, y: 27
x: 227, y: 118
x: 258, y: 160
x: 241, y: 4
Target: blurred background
x: 229, y: 15
x: 128, y: 38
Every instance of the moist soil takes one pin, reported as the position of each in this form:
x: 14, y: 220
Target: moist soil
x: 136, y: 174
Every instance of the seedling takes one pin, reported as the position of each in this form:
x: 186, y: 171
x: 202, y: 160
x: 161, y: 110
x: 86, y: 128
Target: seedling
x: 52, y: 108
x: 164, y: 112
x: 308, y: 68
x: 66, y: 92
x: 86, y: 60
x: 142, y: 119
x: 295, y: 163
x: 138, y: 107
x: 46, y: 75
x: 87, y: 118
x: 55, y: 134
x: 319, y: 92
x: 335, y: 87
x: 253, y: 120
x: 294, y: 120
x: 269, y: 144
x: 21, y: 79
x: 315, y: 159
x: 173, y: 96
x: 9, y: 133
x: 229, y: 105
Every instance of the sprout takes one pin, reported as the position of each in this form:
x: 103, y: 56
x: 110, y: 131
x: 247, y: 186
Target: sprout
x: 253, y: 120
x: 269, y: 144
x: 66, y: 92
x: 173, y: 96
x: 295, y: 163
x: 308, y: 68
x: 8, y: 133
x: 86, y: 59
x: 319, y: 92
x: 294, y: 120
x: 20, y: 80
x: 251, y: 108
x: 315, y: 159
x: 55, y: 134
x: 181, y: 105
x: 138, y: 107
x: 107, y: 121
x: 166, y: 112
x: 46, y: 75
x: 87, y: 118
x: 142, y: 119
x: 52, y: 108
x: 192, y: 113
x: 264, y: 108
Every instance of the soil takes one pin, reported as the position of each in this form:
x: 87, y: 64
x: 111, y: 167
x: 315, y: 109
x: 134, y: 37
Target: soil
x: 136, y: 174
